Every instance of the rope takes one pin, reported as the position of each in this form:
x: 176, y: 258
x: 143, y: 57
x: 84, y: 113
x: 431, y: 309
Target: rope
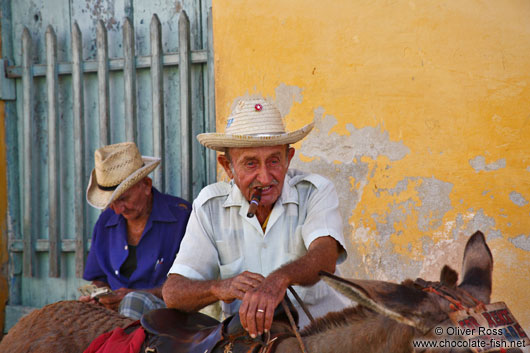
x: 455, y: 304
x: 293, y: 325
x: 302, y: 304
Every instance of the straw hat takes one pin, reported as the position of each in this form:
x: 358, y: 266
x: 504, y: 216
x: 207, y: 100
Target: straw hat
x: 117, y: 168
x: 255, y: 122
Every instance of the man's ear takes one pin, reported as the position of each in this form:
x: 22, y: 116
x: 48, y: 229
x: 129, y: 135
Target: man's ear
x: 223, y: 160
x: 148, y: 182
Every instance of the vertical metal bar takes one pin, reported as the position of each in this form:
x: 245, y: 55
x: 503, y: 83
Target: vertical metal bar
x: 53, y: 157
x: 129, y: 77
x: 211, y: 160
x: 103, y: 84
x: 185, y: 106
x: 157, y: 84
x: 79, y: 150
x: 27, y: 83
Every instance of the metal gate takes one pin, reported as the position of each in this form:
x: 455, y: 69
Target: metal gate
x: 76, y: 76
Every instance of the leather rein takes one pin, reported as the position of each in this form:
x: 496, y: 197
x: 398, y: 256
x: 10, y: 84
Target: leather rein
x: 270, y: 344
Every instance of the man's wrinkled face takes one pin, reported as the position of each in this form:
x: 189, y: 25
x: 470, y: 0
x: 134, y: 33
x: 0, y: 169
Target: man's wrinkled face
x: 135, y: 202
x: 258, y: 167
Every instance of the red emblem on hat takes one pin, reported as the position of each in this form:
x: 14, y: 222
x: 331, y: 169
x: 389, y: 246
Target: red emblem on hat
x: 258, y: 107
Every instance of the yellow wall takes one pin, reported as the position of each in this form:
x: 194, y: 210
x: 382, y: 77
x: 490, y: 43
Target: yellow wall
x: 422, y: 122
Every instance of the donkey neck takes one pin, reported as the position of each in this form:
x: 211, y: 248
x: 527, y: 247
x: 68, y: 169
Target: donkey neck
x: 366, y: 333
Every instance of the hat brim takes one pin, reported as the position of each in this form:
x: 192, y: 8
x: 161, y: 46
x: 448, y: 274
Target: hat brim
x: 219, y: 142
x: 101, y: 199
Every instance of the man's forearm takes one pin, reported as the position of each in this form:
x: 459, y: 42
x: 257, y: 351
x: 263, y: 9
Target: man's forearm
x: 155, y: 291
x: 185, y: 294
x: 322, y: 256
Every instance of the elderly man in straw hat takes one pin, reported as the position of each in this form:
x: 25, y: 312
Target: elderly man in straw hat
x: 248, y: 263
x: 137, y: 236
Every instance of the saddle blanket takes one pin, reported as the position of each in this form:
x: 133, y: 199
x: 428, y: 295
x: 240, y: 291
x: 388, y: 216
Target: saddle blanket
x: 118, y: 340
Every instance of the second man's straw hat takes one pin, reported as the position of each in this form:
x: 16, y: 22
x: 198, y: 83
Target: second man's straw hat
x: 117, y: 168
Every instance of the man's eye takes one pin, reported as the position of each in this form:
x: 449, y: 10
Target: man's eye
x: 250, y: 164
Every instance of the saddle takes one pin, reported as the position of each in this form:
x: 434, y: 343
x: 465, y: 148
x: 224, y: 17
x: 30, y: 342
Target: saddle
x: 174, y: 331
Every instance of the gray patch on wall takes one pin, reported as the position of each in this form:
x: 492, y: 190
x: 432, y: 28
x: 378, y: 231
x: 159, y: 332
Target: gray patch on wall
x: 285, y: 96
x: 479, y: 163
x: 479, y: 222
x: 518, y: 199
x: 521, y: 242
x: 528, y: 169
x: 367, y: 141
x: 435, y: 203
x: 327, y: 148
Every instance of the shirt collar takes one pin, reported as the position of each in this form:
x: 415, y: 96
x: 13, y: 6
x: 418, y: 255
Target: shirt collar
x: 160, y: 211
x: 288, y: 195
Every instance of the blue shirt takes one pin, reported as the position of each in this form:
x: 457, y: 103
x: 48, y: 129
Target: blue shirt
x: 155, y: 252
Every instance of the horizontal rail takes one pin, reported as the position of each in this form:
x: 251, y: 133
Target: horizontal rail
x: 117, y: 64
x: 43, y: 245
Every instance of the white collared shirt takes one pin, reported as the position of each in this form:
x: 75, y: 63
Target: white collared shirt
x: 222, y: 242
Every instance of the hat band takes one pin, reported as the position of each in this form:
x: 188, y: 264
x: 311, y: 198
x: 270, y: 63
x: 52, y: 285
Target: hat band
x: 107, y: 188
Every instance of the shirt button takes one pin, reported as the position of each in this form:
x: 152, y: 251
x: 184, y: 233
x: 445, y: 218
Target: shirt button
x: 116, y: 272
x: 126, y: 247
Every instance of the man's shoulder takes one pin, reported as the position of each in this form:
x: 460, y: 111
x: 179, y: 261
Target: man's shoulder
x: 107, y: 217
x: 173, y: 201
x: 299, y: 179
x: 217, y: 191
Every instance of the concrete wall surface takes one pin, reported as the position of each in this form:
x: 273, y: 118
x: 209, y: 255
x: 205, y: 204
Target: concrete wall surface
x: 422, y: 122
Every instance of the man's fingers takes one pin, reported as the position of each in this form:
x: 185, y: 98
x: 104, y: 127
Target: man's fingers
x: 250, y: 278
x: 260, y: 318
x: 249, y: 282
x: 251, y: 314
x: 243, y: 314
x: 269, y: 316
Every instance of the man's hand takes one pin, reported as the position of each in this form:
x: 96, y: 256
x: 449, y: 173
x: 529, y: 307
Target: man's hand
x: 235, y: 288
x: 112, y: 301
x: 87, y: 299
x: 257, y: 309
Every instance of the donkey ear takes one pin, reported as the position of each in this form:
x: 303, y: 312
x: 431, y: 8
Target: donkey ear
x: 402, y: 303
x: 477, y: 268
x: 448, y: 277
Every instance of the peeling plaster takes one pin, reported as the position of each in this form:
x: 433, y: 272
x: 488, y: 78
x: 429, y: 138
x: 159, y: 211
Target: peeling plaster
x: 367, y: 141
x: 518, y: 199
x: 471, y: 222
x: 435, y: 203
x: 479, y: 163
x: 285, y: 96
x: 521, y: 242
x: 447, y: 251
x: 528, y: 169
x: 349, y: 196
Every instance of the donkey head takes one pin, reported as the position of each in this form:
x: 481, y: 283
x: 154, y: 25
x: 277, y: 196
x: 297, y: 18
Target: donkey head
x: 410, y: 304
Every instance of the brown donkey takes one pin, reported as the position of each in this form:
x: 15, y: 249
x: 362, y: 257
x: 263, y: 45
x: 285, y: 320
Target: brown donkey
x: 391, y: 316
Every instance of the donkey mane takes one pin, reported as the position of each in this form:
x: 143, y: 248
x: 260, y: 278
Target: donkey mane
x: 350, y: 315
x: 335, y: 320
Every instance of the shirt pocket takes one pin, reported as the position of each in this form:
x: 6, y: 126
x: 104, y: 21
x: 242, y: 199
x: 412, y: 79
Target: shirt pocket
x: 232, y: 269
x: 228, y: 252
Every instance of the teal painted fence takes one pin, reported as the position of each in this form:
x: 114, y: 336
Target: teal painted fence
x: 78, y: 75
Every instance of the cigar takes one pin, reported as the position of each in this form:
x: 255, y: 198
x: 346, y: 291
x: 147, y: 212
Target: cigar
x: 254, y: 201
